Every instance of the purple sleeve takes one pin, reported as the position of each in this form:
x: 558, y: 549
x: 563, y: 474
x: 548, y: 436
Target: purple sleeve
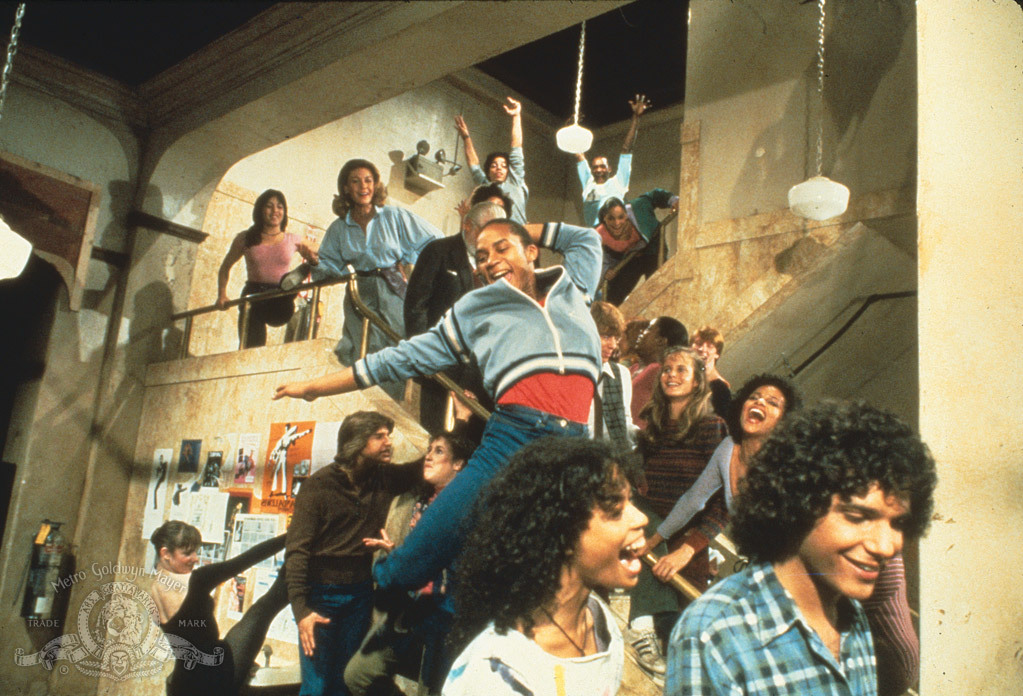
x: 895, y: 642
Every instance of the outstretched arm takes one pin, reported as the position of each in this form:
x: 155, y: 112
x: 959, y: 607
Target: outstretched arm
x: 638, y: 106
x: 335, y: 383
x: 514, y: 109
x: 470, y: 152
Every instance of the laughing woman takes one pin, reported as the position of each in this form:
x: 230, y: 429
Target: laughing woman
x: 759, y: 406
x: 375, y: 241
x: 553, y: 528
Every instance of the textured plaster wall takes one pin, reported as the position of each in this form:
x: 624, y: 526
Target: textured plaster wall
x: 970, y: 218
x: 214, y: 386
x: 50, y: 438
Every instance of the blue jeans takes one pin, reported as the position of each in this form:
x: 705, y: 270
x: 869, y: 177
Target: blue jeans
x: 437, y: 538
x: 349, y: 608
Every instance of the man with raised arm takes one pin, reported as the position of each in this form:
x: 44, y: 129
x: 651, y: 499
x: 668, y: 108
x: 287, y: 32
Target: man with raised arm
x: 506, y: 169
x: 595, y: 176
x: 531, y: 334
x: 829, y: 502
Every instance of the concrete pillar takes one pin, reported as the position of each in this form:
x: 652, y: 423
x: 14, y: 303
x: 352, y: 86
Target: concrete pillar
x: 970, y: 242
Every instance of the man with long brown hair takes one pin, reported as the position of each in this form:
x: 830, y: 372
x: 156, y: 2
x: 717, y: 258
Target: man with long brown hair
x: 328, y: 565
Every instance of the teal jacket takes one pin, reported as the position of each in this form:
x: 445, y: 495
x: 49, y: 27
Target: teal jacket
x: 641, y: 210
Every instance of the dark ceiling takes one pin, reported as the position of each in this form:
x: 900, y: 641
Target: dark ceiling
x: 637, y: 48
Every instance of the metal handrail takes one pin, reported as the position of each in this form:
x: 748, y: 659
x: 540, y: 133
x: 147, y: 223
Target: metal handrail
x: 867, y: 302
x: 244, y: 300
x: 677, y: 581
x: 662, y: 252
x: 368, y: 317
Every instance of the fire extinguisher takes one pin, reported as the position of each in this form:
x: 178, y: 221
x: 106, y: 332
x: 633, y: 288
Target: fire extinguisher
x: 44, y: 590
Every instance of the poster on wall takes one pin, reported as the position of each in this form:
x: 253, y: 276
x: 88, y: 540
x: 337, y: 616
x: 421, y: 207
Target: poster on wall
x: 236, y: 597
x: 156, y: 492
x: 238, y: 503
x: 290, y: 447
x: 245, y: 459
x: 207, y: 508
x: 211, y: 472
x: 188, y: 460
x: 249, y: 530
x: 324, y: 445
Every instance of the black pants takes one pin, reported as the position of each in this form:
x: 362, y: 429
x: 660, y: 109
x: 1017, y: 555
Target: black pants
x: 642, y: 264
x: 273, y: 312
x: 195, y: 622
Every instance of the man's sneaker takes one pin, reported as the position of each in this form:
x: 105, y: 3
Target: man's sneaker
x: 648, y: 652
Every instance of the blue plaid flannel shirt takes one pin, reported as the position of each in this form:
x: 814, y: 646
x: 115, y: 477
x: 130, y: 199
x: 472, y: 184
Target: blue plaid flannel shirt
x: 746, y: 636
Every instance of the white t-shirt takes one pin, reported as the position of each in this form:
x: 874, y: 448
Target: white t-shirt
x: 514, y: 665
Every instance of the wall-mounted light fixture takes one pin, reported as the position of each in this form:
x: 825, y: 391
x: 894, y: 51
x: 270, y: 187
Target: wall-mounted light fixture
x: 421, y: 173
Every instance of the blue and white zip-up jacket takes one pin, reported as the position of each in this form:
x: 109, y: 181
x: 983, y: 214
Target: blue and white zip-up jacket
x: 508, y: 332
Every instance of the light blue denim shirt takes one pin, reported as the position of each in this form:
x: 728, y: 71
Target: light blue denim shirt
x: 394, y: 234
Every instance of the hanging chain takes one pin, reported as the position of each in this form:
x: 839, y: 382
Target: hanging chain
x: 12, y: 48
x: 820, y: 81
x: 579, y: 76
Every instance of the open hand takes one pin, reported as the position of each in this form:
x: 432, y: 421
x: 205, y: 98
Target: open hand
x: 306, y: 629
x: 295, y: 390
x: 384, y: 542
x: 639, y: 104
x: 461, y: 127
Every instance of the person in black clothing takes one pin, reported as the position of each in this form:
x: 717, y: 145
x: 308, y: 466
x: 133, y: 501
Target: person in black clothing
x: 194, y: 625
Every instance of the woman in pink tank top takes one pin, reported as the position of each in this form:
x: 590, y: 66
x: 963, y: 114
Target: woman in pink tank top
x: 269, y: 252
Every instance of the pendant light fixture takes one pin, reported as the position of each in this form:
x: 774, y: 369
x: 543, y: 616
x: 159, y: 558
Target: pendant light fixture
x: 819, y: 198
x: 574, y: 138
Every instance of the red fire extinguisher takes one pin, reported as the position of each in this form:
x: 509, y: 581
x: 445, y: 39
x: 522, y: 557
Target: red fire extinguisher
x: 45, y: 599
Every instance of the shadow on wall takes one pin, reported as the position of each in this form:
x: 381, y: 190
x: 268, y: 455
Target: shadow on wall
x: 862, y: 44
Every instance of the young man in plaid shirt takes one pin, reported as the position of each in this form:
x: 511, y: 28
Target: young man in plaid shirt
x: 829, y: 501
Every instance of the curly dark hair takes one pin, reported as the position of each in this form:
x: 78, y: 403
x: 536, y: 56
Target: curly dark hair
x: 526, y: 526
x: 832, y: 448
x: 792, y: 400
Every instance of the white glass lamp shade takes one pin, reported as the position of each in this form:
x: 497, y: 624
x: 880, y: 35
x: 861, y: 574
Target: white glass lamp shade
x: 14, y: 252
x: 574, y: 139
x: 818, y: 198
